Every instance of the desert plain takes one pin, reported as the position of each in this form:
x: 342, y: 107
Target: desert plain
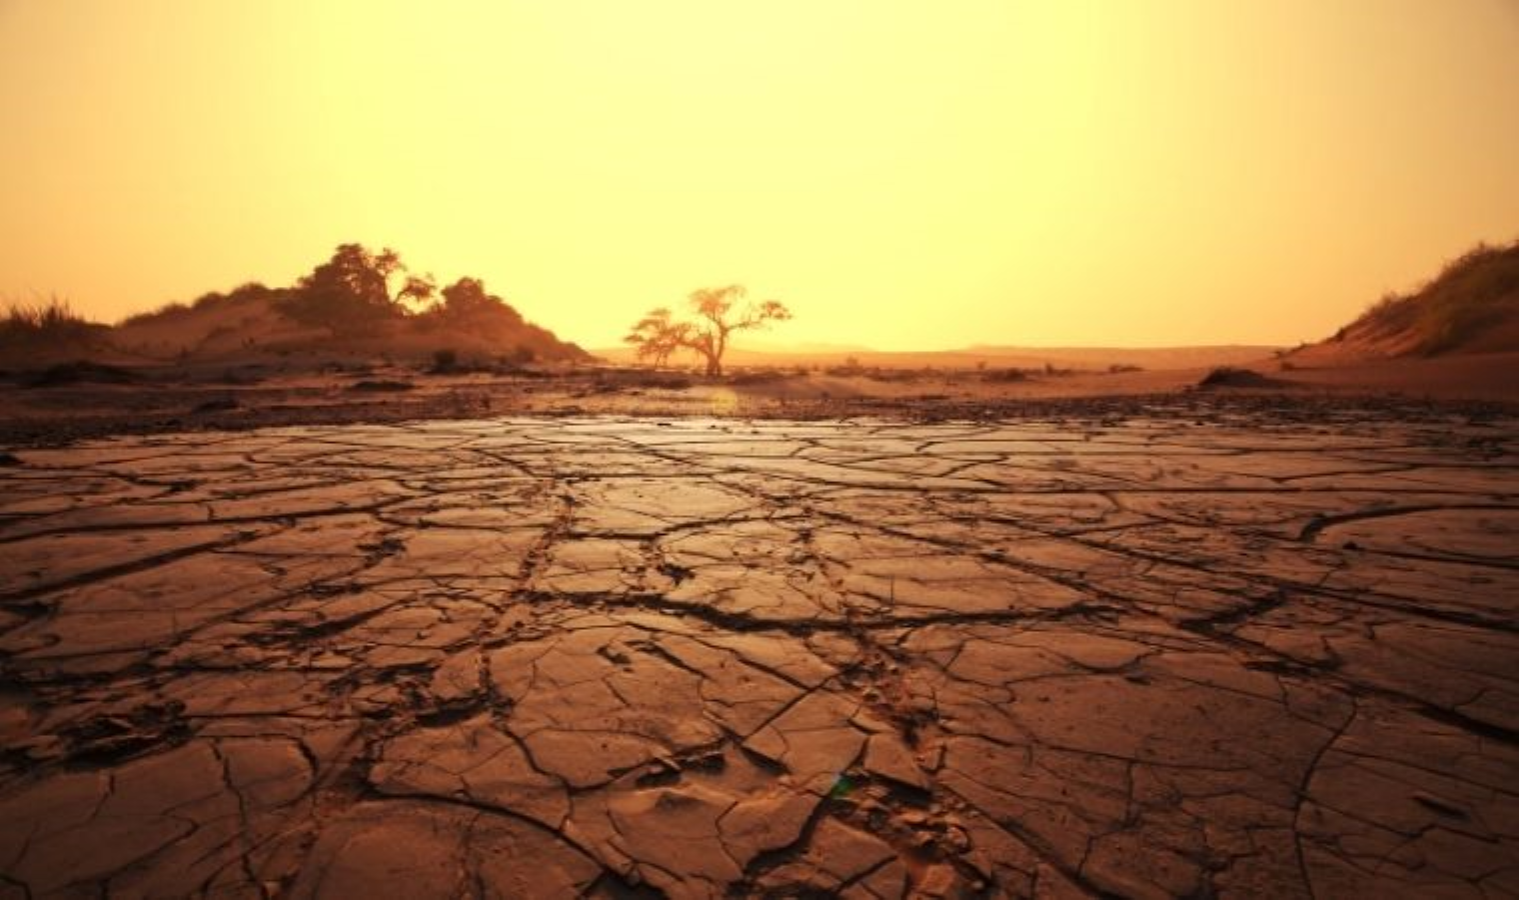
x: 1200, y: 644
x: 1064, y: 451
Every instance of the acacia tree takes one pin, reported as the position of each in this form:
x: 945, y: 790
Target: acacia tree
x: 656, y: 336
x: 718, y: 315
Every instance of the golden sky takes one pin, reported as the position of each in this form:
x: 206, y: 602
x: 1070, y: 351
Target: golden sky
x: 902, y: 174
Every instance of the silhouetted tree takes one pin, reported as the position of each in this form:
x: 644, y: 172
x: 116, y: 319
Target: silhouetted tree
x: 467, y: 300
x: 349, y: 291
x: 656, y: 336
x: 357, y: 292
x: 418, y: 289
x: 718, y: 316
x: 717, y: 319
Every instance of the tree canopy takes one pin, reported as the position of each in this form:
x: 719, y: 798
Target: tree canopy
x: 350, y: 290
x: 359, y: 290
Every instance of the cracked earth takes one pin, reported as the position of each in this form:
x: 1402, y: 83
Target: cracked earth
x: 1150, y: 657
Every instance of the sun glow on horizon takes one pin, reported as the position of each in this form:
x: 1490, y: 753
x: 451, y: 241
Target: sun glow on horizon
x: 902, y: 175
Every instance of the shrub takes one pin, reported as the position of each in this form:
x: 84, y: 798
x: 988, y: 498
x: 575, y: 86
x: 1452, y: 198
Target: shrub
x: 52, y: 324
x: 1231, y: 376
x: 54, y: 316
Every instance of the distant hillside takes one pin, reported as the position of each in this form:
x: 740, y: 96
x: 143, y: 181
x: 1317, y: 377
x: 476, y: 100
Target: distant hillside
x: 357, y: 303
x: 1472, y: 306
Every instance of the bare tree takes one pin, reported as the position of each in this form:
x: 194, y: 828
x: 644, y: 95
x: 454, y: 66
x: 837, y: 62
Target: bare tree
x: 656, y: 336
x: 718, y: 315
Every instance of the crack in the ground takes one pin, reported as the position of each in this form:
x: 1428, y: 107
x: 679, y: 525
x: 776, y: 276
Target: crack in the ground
x: 1109, y: 656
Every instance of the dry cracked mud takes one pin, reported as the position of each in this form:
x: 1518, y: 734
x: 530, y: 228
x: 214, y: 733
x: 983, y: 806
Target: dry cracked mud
x: 1142, y: 657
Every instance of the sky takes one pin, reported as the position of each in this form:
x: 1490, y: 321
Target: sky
x: 904, y: 174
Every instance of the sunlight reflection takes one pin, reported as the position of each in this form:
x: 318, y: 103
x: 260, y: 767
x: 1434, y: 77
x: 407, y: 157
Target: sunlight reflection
x: 723, y: 401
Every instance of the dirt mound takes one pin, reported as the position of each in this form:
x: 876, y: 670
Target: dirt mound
x: 1229, y: 377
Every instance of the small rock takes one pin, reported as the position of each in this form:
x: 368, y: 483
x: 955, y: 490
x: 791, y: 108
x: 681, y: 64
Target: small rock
x: 938, y: 881
x: 958, y: 839
x: 888, y: 757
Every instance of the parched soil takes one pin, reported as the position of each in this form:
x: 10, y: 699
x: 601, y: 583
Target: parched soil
x: 1140, y: 649
x: 37, y: 412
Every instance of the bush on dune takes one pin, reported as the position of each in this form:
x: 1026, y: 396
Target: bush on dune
x: 350, y: 293
x: 54, y: 315
x: 369, y: 296
x: 43, y: 325
x: 356, y: 295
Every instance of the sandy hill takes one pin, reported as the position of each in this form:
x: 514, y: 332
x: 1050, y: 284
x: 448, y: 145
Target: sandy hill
x: 1457, y: 336
x: 254, y: 322
x: 1471, y: 307
x: 358, y: 304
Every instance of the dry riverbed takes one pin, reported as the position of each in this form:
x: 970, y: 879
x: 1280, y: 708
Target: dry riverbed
x: 1139, y: 652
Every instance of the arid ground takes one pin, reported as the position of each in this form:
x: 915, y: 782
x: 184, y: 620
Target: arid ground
x: 75, y: 400
x: 1186, y: 648
x: 804, y: 450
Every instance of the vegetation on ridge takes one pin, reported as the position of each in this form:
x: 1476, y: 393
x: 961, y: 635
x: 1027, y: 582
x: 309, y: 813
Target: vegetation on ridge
x: 1472, y: 306
x: 52, y: 322
x: 356, y: 301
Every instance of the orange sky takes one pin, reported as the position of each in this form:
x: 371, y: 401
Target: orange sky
x: 903, y: 174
